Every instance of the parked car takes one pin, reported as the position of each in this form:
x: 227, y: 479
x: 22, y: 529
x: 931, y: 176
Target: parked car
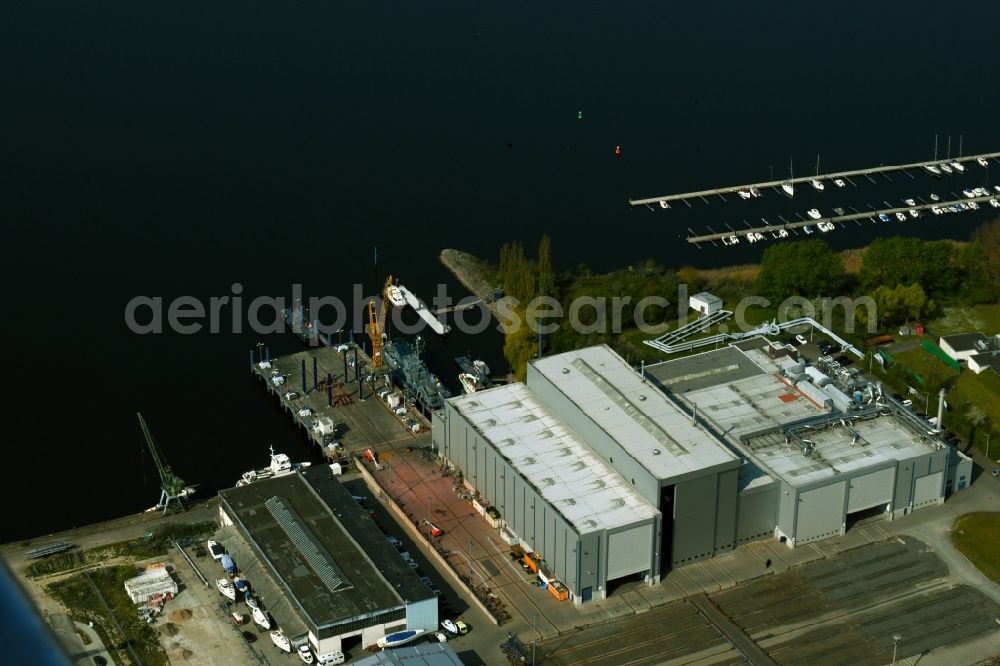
x: 393, y: 540
x: 801, y: 339
x: 823, y: 346
x: 438, y: 637
x: 996, y: 473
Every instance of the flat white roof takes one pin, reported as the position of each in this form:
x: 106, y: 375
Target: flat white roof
x: 706, y: 298
x: 840, y: 448
x: 552, y: 458
x: 741, y: 403
x: 636, y: 414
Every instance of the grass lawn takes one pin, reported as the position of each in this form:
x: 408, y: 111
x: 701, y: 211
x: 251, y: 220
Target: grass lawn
x: 977, y: 536
x: 982, y: 318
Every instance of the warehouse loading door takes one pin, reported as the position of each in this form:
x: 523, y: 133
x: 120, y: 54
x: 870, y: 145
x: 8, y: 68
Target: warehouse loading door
x: 821, y: 513
x: 629, y: 551
x: 870, y: 490
x: 927, y: 490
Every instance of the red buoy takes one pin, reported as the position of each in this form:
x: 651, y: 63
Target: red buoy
x: 618, y: 151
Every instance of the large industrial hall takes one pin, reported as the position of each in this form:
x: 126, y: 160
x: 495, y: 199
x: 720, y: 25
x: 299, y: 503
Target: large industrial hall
x: 610, y: 472
x: 323, y: 570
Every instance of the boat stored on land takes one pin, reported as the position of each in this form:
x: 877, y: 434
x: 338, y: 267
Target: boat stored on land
x: 399, y: 638
x: 226, y: 588
x: 281, y: 641
x: 260, y: 618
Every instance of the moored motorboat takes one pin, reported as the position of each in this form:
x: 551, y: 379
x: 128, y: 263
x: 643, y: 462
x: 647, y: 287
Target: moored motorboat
x: 914, y: 213
x: 839, y: 182
x: 664, y: 205
x: 933, y: 170
x: 982, y: 162
x: 958, y: 166
x: 305, y: 654
x: 818, y: 184
x: 755, y: 193
x: 744, y: 193
x: 945, y: 168
x: 395, y: 296
x: 884, y: 217
x: 814, y: 213
x: 901, y: 217
x: 280, y: 465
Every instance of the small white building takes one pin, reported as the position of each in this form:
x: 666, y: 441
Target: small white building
x: 154, y: 582
x: 705, y: 303
x: 985, y: 361
x: 963, y: 346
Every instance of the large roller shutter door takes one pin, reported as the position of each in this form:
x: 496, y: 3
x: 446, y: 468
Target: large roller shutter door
x: 927, y: 490
x: 821, y: 513
x: 870, y: 490
x: 629, y: 552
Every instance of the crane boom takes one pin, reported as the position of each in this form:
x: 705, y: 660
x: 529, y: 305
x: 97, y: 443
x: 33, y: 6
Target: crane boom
x: 376, y: 323
x: 172, y: 487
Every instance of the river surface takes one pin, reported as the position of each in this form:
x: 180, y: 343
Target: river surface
x: 176, y: 149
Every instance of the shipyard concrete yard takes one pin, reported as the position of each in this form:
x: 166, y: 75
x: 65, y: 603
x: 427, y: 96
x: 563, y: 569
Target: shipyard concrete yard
x: 841, y: 610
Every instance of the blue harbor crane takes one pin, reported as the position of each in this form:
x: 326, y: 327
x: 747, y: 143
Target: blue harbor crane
x: 172, y: 487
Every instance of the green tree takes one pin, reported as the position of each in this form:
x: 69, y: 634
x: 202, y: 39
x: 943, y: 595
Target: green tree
x: 896, y: 305
x: 988, y: 238
x: 893, y: 261
x: 546, y: 275
x: 801, y: 268
x: 520, y: 346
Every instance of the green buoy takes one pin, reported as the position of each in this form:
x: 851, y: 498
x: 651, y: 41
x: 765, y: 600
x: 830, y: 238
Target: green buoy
x: 579, y: 115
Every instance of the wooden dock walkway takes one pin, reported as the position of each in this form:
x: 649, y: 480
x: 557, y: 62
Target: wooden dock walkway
x: 839, y: 219
x: 846, y: 175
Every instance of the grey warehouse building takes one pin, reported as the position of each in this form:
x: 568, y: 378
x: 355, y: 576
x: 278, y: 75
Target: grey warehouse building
x: 323, y: 570
x: 814, y: 458
x: 697, y: 456
x: 552, y: 490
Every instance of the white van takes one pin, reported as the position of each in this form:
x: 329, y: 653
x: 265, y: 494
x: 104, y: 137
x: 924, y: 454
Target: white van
x: 330, y: 658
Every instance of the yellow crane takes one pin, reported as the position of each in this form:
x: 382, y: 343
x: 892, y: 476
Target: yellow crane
x: 376, y: 323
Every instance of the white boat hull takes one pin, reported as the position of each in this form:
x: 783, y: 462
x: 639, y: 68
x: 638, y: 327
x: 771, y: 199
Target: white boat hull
x: 260, y: 619
x: 280, y: 640
x: 226, y: 589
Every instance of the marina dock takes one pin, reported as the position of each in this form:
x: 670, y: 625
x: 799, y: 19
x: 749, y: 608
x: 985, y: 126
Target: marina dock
x: 971, y: 160
x: 769, y: 229
x: 326, y: 393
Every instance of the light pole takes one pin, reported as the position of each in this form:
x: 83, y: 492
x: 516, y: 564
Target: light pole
x: 428, y: 508
x: 895, y: 643
x: 988, y: 445
x: 927, y: 402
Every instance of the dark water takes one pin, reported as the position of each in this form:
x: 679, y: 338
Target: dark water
x: 174, y: 149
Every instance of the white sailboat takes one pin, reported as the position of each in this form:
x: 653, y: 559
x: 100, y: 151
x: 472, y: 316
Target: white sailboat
x: 788, y: 186
x: 260, y: 618
x: 281, y: 641
x: 816, y: 182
